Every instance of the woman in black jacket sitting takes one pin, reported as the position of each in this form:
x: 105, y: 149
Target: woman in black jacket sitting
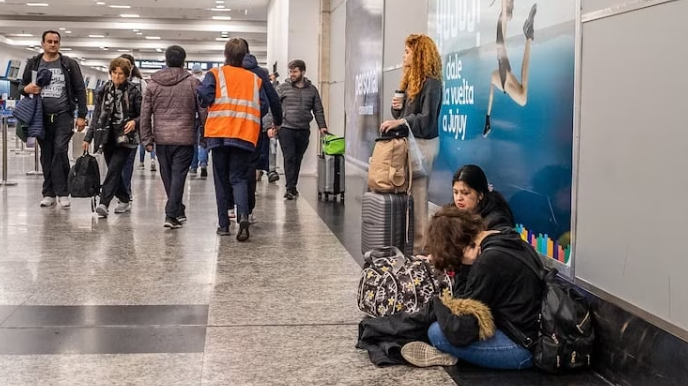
x: 473, y: 194
x: 489, y: 270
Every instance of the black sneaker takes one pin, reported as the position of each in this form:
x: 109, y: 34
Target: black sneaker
x: 182, y: 219
x: 487, y: 128
x: 529, y: 25
x: 222, y: 231
x: 273, y: 177
x: 172, y: 223
x: 244, y: 224
x: 204, y: 172
x: 295, y: 192
x: 288, y: 195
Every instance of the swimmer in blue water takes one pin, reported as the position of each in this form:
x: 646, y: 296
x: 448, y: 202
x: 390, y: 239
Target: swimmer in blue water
x: 503, y: 78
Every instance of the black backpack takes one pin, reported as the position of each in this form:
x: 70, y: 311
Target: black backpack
x: 566, y: 335
x: 84, y: 177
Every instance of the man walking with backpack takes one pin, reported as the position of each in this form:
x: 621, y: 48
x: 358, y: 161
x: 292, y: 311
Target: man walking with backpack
x: 300, y: 102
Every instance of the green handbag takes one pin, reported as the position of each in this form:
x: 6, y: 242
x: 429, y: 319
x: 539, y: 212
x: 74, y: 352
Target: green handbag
x: 333, y: 145
x: 22, y: 131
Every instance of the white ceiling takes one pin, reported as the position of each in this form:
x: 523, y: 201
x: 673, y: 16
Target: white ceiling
x: 187, y: 23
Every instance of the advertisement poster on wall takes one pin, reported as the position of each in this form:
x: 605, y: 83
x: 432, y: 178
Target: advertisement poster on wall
x: 508, y: 106
x: 363, y: 77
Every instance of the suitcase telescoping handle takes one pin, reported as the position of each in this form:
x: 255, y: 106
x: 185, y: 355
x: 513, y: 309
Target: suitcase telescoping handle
x: 322, y: 142
x: 388, y: 252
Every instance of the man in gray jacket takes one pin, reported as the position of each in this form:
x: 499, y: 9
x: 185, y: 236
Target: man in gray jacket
x: 300, y: 102
x: 170, y: 100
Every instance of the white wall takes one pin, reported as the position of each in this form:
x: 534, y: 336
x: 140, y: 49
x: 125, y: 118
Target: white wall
x: 337, y: 66
x: 631, y: 207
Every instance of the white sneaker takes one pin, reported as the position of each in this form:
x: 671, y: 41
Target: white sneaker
x: 231, y: 213
x: 64, y: 202
x: 102, y: 211
x: 47, y: 202
x: 123, y: 207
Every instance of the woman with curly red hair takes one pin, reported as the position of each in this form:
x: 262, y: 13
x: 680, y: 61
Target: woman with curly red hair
x: 419, y: 111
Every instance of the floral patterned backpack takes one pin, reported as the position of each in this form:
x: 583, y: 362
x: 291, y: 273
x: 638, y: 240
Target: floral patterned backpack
x: 391, y: 282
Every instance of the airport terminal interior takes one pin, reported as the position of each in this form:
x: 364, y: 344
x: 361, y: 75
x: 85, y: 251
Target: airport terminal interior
x: 148, y: 293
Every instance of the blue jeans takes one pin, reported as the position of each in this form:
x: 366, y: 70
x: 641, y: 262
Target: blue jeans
x: 229, y: 168
x: 200, y: 157
x: 498, y: 352
x: 142, y: 153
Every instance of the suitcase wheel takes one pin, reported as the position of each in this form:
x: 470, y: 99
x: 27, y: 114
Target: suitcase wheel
x: 327, y: 197
x: 319, y: 196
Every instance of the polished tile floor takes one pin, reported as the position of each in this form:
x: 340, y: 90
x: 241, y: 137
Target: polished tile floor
x: 123, y: 301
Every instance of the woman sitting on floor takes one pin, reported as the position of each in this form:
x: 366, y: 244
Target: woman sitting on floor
x: 472, y: 193
x: 496, y: 296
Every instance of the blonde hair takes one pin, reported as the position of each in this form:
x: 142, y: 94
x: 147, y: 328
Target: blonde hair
x: 427, y: 63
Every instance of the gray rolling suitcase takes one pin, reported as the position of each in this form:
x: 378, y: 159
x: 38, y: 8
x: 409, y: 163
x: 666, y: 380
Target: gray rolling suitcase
x: 331, y: 177
x: 385, y: 223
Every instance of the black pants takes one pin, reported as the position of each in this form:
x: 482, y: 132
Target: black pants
x: 254, y: 164
x: 229, y: 169
x: 174, y: 163
x: 113, y: 186
x: 54, y: 159
x: 294, y: 144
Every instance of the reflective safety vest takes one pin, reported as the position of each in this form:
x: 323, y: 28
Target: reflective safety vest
x: 235, y: 113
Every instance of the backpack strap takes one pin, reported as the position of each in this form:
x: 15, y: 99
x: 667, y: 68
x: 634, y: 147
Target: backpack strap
x: 540, y: 272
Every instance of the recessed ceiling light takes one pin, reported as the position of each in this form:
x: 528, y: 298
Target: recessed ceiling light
x: 220, y: 6
x: 22, y: 35
x: 220, y: 9
x: 223, y: 39
x: 123, y: 50
x: 135, y: 30
x: 139, y: 33
x: 159, y: 49
x: 29, y: 48
x: 120, y: 6
x: 104, y: 48
x: 129, y: 15
x: 62, y: 28
x: 68, y: 32
x: 65, y: 49
x: 96, y: 36
x: 222, y: 18
x: 37, y: 4
x: 219, y: 2
x: 153, y: 37
x: 246, y: 12
x: 100, y: 3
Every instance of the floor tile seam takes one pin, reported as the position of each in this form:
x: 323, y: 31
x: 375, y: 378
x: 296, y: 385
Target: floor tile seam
x: 19, y: 306
x: 101, y: 326
x: 283, y: 325
x: 14, y: 311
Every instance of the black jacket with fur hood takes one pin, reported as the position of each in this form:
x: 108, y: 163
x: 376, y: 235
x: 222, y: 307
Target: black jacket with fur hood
x: 495, y: 288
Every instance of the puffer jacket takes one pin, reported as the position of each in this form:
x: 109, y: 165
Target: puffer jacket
x: 102, y: 133
x: 170, y: 100
x: 299, y: 105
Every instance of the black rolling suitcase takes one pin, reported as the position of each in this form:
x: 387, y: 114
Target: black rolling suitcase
x: 387, y: 221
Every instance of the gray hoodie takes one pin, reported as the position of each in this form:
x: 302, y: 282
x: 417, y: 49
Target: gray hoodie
x: 299, y: 105
x: 170, y: 99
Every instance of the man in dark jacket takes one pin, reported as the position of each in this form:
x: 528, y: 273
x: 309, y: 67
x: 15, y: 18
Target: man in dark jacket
x: 65, y: 93
x: 268, y: 100
x: 300, y: 102
x: 170, y: 99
